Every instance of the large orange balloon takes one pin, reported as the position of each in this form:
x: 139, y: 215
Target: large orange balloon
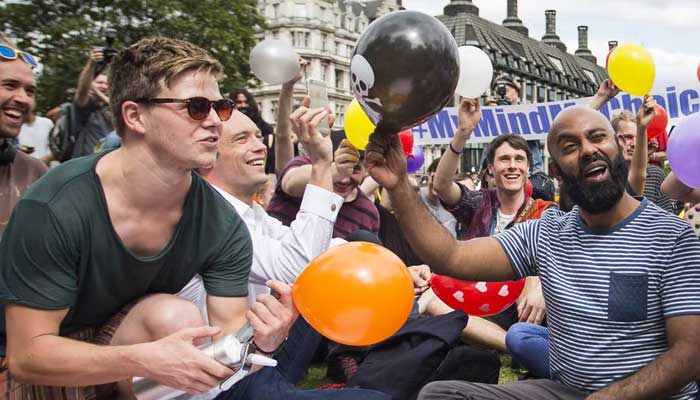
x: 357, y: 293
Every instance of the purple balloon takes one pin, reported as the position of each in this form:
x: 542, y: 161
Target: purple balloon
x: 414, y: 162
x: 683, y: 148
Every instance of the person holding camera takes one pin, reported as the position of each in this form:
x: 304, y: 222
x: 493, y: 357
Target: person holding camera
x: 93, y: 120
x: 508, y: 92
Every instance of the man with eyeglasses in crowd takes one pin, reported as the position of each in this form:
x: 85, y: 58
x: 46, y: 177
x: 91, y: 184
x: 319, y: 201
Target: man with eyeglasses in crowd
x: 89, y: 298
x: 17, y: 93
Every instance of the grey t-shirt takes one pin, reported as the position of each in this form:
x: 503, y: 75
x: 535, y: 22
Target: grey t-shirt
x: 443, y: 216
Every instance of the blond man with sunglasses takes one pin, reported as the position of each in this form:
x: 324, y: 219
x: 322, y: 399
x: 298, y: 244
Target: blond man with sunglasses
x: 17, y: 91
x: 95, y: 251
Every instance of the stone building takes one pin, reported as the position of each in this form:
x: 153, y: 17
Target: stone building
x: 324, y: 32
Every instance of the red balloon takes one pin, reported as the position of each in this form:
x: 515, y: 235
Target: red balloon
x: 476, y: 298
x: 698, y: 72
x: 406, y: 138
x: 658, y: 123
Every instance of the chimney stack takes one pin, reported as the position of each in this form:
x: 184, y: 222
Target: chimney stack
x: 457, y: 7
x: 512, y: 21
x: 551, y: 37
x: 612, y: 44
x: 582, y: 50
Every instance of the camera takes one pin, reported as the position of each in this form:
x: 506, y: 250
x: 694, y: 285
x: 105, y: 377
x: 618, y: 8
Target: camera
x: 109, y: 51
x: 501, y: 93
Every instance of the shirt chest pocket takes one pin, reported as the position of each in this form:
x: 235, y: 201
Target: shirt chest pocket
x: 627, y: 297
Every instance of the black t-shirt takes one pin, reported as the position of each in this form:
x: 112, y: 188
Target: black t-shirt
x: 60, y: 250
x: 94, y: 122
x: 393, y: 239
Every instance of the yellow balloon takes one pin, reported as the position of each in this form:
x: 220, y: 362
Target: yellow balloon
x: 632, y: 69
x: 358, y: 126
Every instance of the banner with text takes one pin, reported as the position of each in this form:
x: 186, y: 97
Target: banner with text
x: 534, y: 120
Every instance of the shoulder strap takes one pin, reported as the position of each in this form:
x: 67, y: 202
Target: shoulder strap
x: 525, y: 211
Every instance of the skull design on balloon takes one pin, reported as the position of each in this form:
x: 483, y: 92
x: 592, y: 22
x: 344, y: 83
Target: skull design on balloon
x: 362, y: 77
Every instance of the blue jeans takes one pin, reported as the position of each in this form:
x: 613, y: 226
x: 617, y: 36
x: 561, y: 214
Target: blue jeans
x: 528, y: 344
x: 292, y: 362
x: 269, y: 384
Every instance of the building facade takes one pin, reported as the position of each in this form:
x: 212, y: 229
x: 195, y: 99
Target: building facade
x: 323, y: 32
x: 544, y: 68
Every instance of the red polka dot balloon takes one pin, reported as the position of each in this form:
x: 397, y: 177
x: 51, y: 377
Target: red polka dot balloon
x: 476, y: 298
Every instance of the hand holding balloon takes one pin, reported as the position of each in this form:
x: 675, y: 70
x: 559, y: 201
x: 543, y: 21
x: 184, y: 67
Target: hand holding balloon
x: 346, y: 158
x: 645, y: 113
x: 386, y: 161
x: 631, y: 68
x: 658, y: 124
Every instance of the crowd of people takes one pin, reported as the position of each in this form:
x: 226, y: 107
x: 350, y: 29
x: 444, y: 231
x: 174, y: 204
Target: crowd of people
x: 177, y: 216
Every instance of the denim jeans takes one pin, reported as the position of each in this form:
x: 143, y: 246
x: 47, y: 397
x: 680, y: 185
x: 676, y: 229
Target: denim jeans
x: 292, y: 362
x: 269, y: 384
x: 528, y: 344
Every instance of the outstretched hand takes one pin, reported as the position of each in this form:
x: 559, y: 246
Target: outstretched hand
x: 646, y: 112
x: 469, y: 114
x: 385, y: 160
x: 305, y: 124
x: 607, y: 90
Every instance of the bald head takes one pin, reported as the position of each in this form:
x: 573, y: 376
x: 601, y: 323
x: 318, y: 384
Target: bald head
x: 576, y: 121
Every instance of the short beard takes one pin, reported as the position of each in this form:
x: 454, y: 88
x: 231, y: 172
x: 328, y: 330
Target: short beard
x: 599, y: 197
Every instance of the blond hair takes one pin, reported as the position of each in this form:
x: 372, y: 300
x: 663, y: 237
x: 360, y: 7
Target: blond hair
x: 137, y: 71
x: 622, y: 116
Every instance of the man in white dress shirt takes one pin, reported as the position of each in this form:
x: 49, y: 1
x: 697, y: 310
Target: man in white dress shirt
x: 279, y: 252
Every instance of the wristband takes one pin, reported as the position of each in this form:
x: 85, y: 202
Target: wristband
x: 455, y: 151
x: 270, y: 354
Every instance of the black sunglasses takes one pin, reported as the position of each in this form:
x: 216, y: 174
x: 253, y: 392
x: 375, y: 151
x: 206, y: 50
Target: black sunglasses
x: 199, y: 107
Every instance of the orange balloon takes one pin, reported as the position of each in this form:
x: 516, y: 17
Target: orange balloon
x: 357, y: 294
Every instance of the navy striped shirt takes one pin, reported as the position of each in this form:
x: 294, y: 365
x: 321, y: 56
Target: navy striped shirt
x: 608, y: 291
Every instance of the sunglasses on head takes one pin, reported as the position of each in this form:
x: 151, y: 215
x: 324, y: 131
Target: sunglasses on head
x: 10, y: 53
x: 199, y: 107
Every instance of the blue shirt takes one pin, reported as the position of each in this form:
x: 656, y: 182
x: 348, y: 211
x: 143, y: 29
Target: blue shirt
x: 608, y: 291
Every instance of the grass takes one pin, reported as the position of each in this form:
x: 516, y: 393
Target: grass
x: 316, y: 376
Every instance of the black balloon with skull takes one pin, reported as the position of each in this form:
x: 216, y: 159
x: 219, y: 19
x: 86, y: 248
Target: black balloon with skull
x: 404, y: 69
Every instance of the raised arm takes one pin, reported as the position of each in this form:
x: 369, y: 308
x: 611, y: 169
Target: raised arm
x: 606, y: 91
x: 82, y: 93
x: 443, y: 182
x: 476, y: 259
x: 284, y: 146
x: 638, y: 166
x: 346, y: 158
x: 675, y: 189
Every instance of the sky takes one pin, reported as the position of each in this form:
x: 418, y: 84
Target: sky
x: 669, y: 29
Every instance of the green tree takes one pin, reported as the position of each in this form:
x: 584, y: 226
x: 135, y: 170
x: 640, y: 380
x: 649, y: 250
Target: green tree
x: 61, y: 33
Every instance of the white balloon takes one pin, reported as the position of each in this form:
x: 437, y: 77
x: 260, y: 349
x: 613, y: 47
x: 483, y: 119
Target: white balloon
x: 475, y: 72
x: 274, y: 61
